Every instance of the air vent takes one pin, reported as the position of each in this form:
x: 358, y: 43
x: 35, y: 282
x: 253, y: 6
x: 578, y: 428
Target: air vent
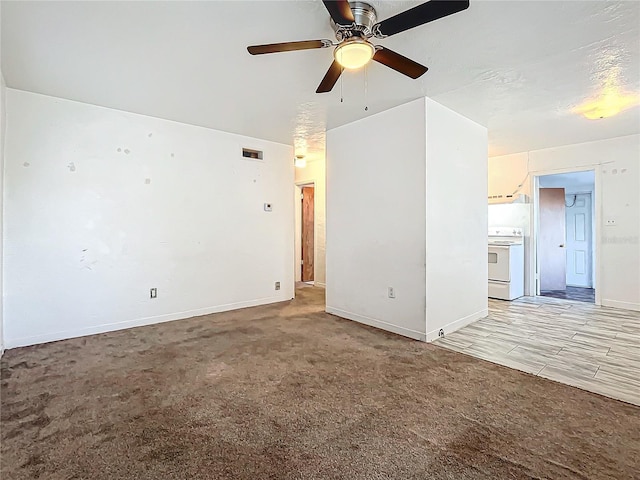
x: 254, y: 154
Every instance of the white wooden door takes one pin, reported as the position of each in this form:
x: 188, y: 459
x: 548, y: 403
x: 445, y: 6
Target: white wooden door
x: 579, y: 241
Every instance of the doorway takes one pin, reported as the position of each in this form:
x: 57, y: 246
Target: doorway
x: 307, y: 241
x: 305, y: 234
x: 565, y: 248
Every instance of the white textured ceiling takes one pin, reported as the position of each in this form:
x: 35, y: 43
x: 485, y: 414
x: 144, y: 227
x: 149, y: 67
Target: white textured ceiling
x: 517, y: 67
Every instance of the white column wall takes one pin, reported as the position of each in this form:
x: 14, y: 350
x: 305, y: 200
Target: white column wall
x: 406, y: 208
x: 376, y: 220
x: 456, y: 220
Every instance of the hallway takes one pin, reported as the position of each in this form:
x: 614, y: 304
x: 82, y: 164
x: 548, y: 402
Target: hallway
x: 577, y: 294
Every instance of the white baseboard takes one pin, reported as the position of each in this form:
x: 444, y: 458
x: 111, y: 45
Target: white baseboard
x: 619, y: 304
x: 139, y: 322
x: 373, y: 322
x: 456, y: 324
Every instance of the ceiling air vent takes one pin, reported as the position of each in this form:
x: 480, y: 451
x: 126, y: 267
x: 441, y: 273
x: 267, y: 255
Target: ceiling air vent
x: 253, y: 154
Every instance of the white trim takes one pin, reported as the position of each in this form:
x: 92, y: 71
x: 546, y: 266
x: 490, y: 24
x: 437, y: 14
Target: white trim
x: 597, y: 232
x: 373, y: 322
x: 597, y: 220
x: 457, y: 324
x: 534, y: 284
x: 321, y: 285
x: 139, y: 322
x: 621, y: 305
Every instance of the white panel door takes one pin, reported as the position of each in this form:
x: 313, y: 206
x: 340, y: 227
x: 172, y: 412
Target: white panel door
x: 579, y: 242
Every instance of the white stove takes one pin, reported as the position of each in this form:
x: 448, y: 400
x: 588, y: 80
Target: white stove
x: 506, y: 263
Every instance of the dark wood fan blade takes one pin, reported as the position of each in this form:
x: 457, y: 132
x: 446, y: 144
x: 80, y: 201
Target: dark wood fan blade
x: 330, y: 78
x: 288, y: 46
x: 416, y: 16
x: 340, y: 11
x: 399, y: 63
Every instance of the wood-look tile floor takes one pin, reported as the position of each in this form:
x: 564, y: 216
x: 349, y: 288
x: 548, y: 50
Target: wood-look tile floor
x: 576, y: 343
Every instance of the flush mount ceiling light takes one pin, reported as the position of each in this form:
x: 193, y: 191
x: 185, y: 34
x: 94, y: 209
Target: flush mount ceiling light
x: 609, y: 103
x: 299, y: 161
x: 354, y: 53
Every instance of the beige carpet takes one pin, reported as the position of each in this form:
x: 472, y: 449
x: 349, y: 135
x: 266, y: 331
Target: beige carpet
x: 288, y: 392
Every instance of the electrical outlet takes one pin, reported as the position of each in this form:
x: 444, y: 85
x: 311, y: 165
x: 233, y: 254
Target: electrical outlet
x: 277, y: 285
x: 610, y: 222
x: 392, y: 292
x: 153, y: 293
x: 441, y: 333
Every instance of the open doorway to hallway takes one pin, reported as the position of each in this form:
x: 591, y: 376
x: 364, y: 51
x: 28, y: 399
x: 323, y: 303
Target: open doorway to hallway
x: 565, y: 246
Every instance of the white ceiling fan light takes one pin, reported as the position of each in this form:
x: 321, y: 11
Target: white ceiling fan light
x: 354, y: 53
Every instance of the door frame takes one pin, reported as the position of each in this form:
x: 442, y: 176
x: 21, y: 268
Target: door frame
x: 298, y: 231
x: 596, y: 209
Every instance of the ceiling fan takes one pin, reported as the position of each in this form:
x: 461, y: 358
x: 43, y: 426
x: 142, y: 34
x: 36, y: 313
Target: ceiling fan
x: 354, y: 24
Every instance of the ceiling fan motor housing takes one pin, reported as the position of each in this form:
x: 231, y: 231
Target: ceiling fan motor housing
x: 365, y: 18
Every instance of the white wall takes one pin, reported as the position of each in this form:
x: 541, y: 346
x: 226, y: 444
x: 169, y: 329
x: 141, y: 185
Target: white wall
x: 406, y: 209
x: 456, y: 220
x: 101, y: 205
x: 509, y: 174
x: 376, y: 220
x: 314, y: 172
x: 2, y: 134
x: 616, y: 162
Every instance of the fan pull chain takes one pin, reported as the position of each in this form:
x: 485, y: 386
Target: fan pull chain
x: 366, y: 83
x: 341, y: 77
